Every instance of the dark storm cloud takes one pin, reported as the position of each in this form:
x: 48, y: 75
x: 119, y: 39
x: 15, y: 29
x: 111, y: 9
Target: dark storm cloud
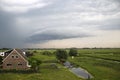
x: 6, y: 21
x: 61, y: 14
x: 57, y: 20
x: 48, y: 35
x: 8, y: 33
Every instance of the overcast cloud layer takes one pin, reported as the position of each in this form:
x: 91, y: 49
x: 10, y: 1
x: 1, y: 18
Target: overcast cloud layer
x: 42, y: 23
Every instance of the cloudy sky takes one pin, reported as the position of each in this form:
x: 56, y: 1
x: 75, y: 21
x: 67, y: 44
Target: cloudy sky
x: 59, y: 23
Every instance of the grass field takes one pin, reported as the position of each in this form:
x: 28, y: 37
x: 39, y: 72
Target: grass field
x: 46, y: 72
x: 103, y: 64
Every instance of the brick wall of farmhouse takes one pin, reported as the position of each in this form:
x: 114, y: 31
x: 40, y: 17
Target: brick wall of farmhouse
x: 14, y: 61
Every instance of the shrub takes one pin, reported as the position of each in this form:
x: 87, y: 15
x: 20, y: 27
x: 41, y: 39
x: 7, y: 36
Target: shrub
x: 73, y: 52
x: 61, y: 55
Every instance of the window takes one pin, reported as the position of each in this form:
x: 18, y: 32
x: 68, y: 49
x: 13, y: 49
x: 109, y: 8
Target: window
x: 20, y: 64
x: 9, y: 64
x: 16, y: 56
x: 12, y: 56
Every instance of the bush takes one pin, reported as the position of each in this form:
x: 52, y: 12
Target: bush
x: 28, y: 54
x: 73, y: 52
x: 34, y: 62
x: 61, y: 55
x: 48, y: 53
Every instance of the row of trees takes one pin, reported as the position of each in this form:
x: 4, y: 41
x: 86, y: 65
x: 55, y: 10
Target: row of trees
x: 62, y: 56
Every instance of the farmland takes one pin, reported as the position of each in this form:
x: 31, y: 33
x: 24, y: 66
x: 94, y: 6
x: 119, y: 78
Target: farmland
x: 47, y: 71
x: 103, y: 64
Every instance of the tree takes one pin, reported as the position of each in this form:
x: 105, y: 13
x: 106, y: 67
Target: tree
x: 28, y: 54
x: 73, y: 52
x: 48, y: 53
x: 61, y: 55
x: 34, y: 62
x: 34, y: 51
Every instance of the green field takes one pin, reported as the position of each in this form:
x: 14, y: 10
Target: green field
x: 103, y: 64
x: 46, y: 72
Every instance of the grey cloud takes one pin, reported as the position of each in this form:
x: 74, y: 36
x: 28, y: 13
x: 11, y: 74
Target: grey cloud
x: 56, y: 7
x: 111, y: 27
x: 43, y: 23
x: 51, y: 34
x: 60, y: 9
x: 118, y: 1
x: 104, y: 7
x: 111, y: 24
x: 6, y: 20
x: 8, y: 35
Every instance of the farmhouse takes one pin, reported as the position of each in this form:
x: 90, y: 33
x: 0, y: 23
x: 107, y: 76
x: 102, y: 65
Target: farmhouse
x: 15, y: 59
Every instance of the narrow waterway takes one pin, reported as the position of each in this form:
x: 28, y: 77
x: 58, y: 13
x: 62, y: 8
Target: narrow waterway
x: 80, y: 72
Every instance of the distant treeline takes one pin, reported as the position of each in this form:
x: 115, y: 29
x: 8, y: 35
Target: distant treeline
x: 57, y: 48
x: 5, y: 48
x: 65, y: 48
